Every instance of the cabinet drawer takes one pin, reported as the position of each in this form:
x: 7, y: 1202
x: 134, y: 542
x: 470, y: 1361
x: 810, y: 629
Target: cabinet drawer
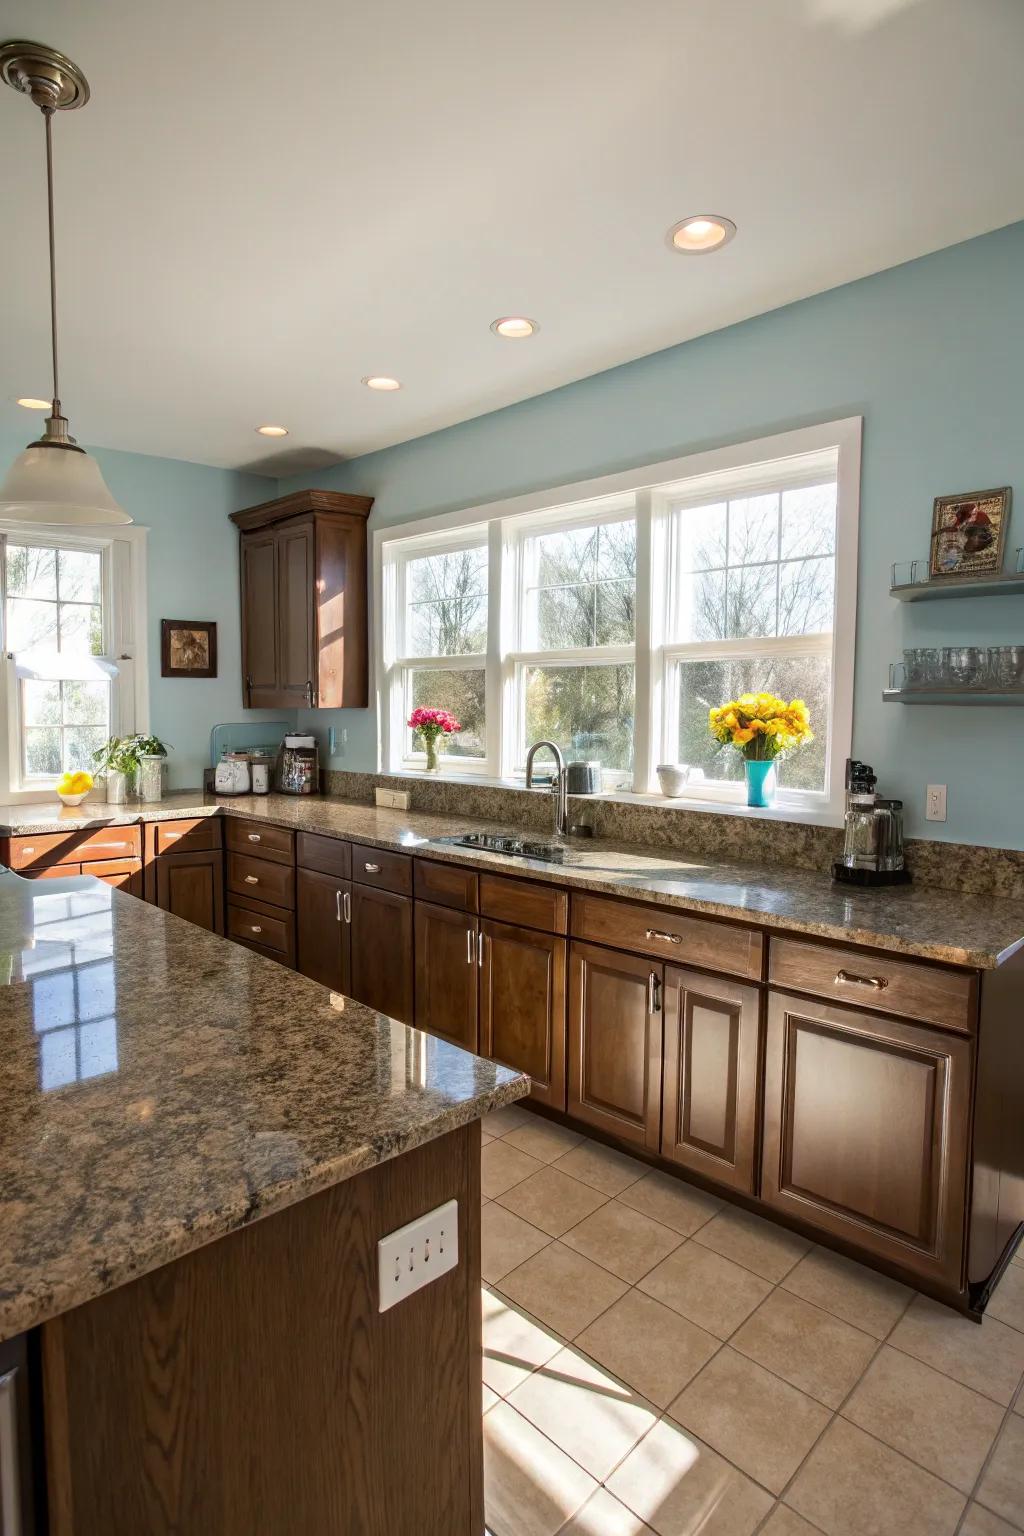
x: 187, y: 836
x: 125, y: 874
x: 387, y: 871
x: 329, y: 855
x: 71, y: 848
x: 251, y: 924
x: 447, y: 885
x: 908, y: 987
x: 249, y: 876
x: 670, y: 935
x: 524, y: 903
x: 275, y: 843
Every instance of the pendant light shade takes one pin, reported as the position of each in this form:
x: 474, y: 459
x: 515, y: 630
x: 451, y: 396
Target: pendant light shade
x: 53, y: 481
x: 50, y: 484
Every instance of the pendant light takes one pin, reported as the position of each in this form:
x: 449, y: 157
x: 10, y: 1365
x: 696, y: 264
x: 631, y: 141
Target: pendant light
x: 54, y: 480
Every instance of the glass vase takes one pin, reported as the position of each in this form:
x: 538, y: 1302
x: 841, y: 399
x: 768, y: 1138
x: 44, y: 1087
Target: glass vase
x: 149, y: 778
x: 760, y: 774
x: 433, y: 755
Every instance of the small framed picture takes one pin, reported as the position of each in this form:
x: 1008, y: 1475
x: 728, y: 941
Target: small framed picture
x: 188, y: 648
x: 969, y: 533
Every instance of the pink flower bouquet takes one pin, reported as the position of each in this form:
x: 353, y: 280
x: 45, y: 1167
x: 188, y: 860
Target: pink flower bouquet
x: 431, y: 724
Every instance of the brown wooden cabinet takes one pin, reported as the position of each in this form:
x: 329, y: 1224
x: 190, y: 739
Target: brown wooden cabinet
x: 191, y: 885
x: 323, y: 924
x: 866, y: 1132
x: 522, y: 1005
x: 447, y: 954
x: 303, y: 589
x: 382, y: 938
x: 710, y: 1095
x: 615, y: 1043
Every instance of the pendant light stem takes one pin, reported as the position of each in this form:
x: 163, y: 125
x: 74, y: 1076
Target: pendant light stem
x: 48, y: 115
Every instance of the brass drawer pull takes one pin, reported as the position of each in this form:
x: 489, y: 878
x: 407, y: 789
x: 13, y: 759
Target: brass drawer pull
x: 851, y: 979
x: 372, y: 869
x: 659, y: 933
x: 255, y: 928
x: 252, y: 879
x: 254, y: 837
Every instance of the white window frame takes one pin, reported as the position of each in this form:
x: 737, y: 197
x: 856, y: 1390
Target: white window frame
x: 123, y: 578
x: 744, y: 466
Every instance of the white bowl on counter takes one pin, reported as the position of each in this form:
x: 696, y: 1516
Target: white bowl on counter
x: 673, y: 778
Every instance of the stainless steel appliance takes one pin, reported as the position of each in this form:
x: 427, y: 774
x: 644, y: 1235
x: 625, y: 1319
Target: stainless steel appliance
x: 873, y: 841
x: 298, y: 766
x: 583, y: 778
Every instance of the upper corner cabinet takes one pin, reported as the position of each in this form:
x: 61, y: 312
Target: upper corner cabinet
x: 303, y: 577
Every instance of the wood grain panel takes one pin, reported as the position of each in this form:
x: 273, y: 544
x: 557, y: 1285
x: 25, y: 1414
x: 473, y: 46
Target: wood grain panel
x: 446, y: 885
x: 615, y: 1044
x: 911, y: 988
x: 323, y: 928
x: 382, y: 951
x: 329, y: 855
x: 709, y: 1120
x: 524, y: 903
x: 191, y: 885
x: 446, y: 974
x: 523, y: 1006
x: 377, y: 867
x: 866, y: 1132
x: 258, y: 569
x: 29, y: 852
x: 123, y: 874
x: 262, y: 927
x: 342, y: 631
x: 189, y: 835
x: 265, y: 879
x: 246, y: 836
x: 253, y: 1386
x: 668, y: 935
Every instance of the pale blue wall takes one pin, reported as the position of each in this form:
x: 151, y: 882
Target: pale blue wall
x: 930, y: 353
x: 192, y: 574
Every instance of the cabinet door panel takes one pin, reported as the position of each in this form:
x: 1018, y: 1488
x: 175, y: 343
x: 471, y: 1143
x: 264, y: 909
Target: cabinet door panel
x: 615, y: 1043
x: 323, y: 923
x: 710, y: 1104
x: 866, y: 1124
x: 382, y: 972
x: 124, y: 874
x: 296, y: 584
x: 522, y: 1006
x: 446, y: 974
x: 191, y: 885
x: 259, y: 632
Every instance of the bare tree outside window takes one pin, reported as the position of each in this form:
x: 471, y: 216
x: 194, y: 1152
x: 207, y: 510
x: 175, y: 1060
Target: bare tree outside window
x: 446, y: 615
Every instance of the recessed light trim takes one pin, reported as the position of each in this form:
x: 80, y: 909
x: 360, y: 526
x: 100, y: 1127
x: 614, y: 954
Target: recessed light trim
x: 272, y: 431
x: 700, y: 234
x: 34, y: 405
x: 514, y: 327
x: 382, y: 381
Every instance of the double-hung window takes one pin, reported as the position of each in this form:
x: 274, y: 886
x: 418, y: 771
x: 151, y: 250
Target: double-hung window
x: 71, y: 677
x: 610, y: 617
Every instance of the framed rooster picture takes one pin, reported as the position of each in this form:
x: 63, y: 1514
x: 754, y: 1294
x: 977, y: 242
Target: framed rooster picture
x: 969, y: 533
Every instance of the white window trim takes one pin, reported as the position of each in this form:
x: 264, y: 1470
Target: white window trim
x: 125, y: 642
x: 756, y: 465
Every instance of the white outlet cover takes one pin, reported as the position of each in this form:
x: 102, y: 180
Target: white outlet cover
x: 935, y: 803
x: 414, y: 1255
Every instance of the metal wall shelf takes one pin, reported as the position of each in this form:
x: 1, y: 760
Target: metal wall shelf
x: 953, y: 696
x: 913, y: 591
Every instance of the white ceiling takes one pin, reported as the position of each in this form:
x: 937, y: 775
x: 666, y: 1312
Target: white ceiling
x: 264, y: 202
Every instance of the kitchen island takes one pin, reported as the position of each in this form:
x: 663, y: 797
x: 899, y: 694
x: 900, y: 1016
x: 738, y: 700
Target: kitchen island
x: 199, y: 1152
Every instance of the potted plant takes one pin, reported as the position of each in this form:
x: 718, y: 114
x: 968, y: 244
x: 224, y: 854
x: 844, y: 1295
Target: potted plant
x: 121, y: 760
x: 433, y: 725
x: 761, y: 727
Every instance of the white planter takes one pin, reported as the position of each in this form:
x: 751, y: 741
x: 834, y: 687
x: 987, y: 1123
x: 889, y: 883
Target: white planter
x: 117, y: 788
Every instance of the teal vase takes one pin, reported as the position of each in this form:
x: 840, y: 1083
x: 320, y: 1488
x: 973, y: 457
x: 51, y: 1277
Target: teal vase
x: 760, y: 781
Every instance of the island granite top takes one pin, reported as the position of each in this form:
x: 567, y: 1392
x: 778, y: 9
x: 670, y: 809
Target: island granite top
x: 922, y: 921
x: 162, y: 1087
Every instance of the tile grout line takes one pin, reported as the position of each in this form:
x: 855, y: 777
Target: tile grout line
x: 972, y: 1497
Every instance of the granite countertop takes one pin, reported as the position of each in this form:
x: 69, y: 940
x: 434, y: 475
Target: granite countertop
x: 162, y: 1087
x: 922, y: 921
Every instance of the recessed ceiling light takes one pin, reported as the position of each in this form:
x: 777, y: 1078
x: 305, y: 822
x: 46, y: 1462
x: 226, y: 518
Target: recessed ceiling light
x: 700, y: 233
x: 381, y: 381
x: 514, y: 327
x: 272, y: 431
x: 34, y: 405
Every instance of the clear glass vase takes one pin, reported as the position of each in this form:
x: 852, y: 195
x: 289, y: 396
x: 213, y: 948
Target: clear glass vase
x: 433, y: 747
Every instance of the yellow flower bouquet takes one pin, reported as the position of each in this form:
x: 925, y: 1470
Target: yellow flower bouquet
x: 760, y: 727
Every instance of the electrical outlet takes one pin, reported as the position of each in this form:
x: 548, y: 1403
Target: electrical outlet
x: 935, y: 803
x: 422, y: 1251
x: 393, y: 799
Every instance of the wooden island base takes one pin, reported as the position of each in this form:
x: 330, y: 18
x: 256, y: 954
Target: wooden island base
x: 253, y: 1386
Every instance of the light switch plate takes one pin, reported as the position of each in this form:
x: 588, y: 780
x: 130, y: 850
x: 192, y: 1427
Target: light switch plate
x: 411, y: 1257
x: 935, y: 803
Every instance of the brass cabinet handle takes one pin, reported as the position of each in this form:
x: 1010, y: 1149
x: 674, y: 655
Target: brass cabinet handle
x: 659, y: 933
x: 10, y: 1492
x: 372, y: 869
x: 851, y: 979
x: 256, y: 928
x: 252, y: 879
x: 254, y: 837
x: 653, y: 993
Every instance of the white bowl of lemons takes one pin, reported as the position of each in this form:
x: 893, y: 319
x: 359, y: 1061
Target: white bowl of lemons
x: 73, y: 787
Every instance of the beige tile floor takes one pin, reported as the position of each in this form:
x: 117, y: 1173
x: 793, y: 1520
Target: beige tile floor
x: 657, y: 1361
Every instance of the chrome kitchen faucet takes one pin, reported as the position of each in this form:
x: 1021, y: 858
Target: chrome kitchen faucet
x: 560, y: 788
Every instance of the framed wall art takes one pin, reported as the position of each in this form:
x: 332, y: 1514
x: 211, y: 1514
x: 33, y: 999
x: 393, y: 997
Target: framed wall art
x: 188, y: 648
x: 969, y: 533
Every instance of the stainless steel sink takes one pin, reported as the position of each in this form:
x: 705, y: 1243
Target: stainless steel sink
x: 517, y: 847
